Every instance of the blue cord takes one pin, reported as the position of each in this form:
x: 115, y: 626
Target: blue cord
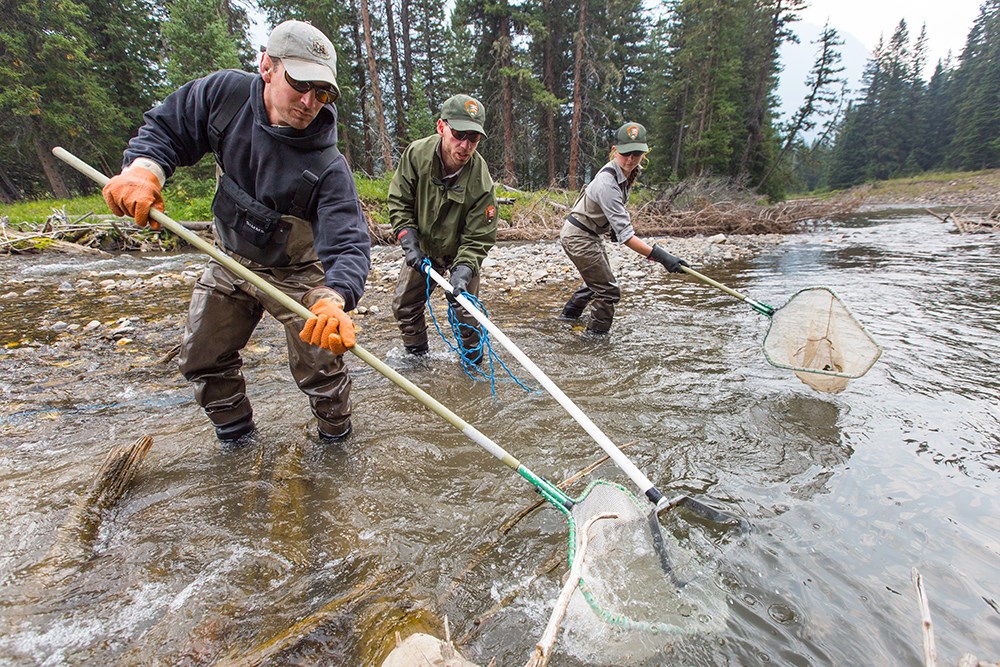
x: 466, y: 355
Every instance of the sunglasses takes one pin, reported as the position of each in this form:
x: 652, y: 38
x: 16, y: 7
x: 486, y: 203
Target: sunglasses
x: 324, y: 94
x: 634, y: 153
x: 470, y: 135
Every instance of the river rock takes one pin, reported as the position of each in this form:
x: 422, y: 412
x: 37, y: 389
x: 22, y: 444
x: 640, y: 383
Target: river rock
x: 425, y: 650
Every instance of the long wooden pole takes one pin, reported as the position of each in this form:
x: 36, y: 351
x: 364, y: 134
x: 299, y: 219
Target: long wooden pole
x: 546, y: 488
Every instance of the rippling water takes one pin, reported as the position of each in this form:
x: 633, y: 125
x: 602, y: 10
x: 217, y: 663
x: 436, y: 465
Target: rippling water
x: 213, y: 552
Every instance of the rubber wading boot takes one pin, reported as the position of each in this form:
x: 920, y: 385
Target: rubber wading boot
x: 570, y: 314
x: 597, y: 332
x: 239, y: 432
x: 418, y: 350
x: 331, y: 439
x: 473, y: 356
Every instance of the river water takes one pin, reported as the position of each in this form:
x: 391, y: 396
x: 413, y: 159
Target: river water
x: 214, y: 553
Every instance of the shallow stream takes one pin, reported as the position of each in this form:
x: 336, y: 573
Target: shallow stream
x: 215, y: 552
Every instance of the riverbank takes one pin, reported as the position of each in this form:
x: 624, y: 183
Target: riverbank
x: 514, y: 267
x: 56, y: 308
x: 977, y: 191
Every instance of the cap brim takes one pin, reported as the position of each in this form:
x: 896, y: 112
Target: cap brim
x: 303, y: 70
x: 464, y: 125
x: 628, y: 148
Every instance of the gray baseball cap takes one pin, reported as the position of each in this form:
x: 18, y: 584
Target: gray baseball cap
x: 307, y: 53
x: 464, y: 113
x: 631, y: 137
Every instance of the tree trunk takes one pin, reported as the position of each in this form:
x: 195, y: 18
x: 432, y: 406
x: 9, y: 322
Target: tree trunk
x: 574, y: 138
x: 404, y: 19
x: 549, y: 116
x: 44, y: 154
x: 431, y: 68
x: 761, y: 84
x: 362, y: 92
x: 396, y: 79
x: 383, y: 134
x: 507, y: 100
x: 681, y: 126
x: 823, y: 74
x: 345, y: 136
x: 9, y: 192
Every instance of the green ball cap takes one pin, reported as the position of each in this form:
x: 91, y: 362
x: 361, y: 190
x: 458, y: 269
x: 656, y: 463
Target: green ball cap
x: 631, y: 137
x: 464, y: 113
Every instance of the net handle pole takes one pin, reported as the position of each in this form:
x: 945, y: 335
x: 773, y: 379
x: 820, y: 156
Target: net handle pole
x: 760, y: 307
x: 291, y: 304
x: 612, y: 450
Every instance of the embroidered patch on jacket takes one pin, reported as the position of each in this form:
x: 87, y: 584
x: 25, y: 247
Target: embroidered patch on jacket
x: 491, y: 212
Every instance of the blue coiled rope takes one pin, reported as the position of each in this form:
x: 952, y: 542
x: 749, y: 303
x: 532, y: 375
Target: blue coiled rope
x: 468, y: 355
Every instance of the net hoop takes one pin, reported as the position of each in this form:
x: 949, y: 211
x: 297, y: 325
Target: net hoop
x: 610, y: 616
x: 816, y: 317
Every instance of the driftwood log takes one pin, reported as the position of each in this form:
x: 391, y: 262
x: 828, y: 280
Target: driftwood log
x: 75, y: 538
x: 971, y: 223
x: 87, y: 234
x: 543, y: 217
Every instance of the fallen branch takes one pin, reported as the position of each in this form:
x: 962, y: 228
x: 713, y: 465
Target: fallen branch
x: 543, y: 649
x: 930, y: 650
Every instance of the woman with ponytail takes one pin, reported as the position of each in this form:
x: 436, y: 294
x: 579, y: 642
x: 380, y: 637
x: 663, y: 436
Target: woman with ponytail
x: 599, y: 212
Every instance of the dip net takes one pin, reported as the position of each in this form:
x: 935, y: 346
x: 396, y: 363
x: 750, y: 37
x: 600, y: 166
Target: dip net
x: 639, y: 588
x: 817, y: 337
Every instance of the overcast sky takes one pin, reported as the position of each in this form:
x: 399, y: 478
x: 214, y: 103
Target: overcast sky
x: 948, y: 21
x: 860, y: 24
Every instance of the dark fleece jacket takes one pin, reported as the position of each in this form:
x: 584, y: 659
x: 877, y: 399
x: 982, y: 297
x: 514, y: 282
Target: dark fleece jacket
x: 265, y: 161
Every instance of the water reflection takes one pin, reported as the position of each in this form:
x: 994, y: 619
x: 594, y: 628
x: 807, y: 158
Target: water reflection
x: 215, y: 553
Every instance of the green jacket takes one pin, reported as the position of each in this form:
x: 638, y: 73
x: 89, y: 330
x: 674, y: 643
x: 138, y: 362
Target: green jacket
x: 456, y: 225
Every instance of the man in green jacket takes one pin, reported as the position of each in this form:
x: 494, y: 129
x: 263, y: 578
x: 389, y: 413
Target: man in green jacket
x: 443, y: 208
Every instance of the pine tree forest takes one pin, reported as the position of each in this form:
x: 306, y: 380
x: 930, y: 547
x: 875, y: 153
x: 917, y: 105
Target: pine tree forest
x: 557, y: 77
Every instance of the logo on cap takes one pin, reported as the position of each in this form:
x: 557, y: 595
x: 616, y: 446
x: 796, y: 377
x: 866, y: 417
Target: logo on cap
x: 632, y: 131
x: 472, y: 108
x: 318, y: 48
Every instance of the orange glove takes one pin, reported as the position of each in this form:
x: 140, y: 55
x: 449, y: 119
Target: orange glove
x: 134, y: 192
x: 331, y: 329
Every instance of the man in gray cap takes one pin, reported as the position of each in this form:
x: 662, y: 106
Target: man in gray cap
x: 285, y: 206
x: 442, y: 208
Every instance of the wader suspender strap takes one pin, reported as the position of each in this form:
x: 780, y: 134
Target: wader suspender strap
x: 300, y: 202
x: 217, y: 130
x: 232, y: 105
x: 623, y: 186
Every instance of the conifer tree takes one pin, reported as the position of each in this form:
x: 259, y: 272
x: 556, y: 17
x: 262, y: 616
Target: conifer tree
x: 976, y: 140
x: 50, y: 84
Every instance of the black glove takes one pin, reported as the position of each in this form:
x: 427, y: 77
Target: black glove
x: 670, y: 262
x: 410, y: 243
x: 461, y: 274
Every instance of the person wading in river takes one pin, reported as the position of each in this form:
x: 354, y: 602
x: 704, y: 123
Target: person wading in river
x: 442, y: 207
x: 599, y: 211
x: 285, y: 206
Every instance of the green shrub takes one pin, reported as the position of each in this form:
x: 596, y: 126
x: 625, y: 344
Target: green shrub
x: 374, y: 195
